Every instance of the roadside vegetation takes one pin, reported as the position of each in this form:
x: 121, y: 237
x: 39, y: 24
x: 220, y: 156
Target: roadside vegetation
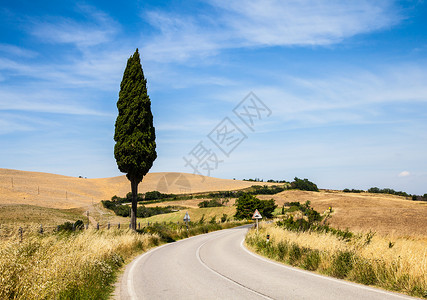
x: 303, y: 239
x: 75, y: 263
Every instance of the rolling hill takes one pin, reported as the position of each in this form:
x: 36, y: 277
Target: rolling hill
x: 57, y: 191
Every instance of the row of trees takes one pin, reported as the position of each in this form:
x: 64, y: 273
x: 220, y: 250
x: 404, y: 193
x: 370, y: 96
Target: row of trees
x: 376, y: 190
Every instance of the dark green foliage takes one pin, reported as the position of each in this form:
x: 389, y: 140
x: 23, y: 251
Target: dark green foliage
x: 294, y: 225
x: 246, y: 205
x: 345, y: 235
x: 224, y: 194
x: 282, y: 250
x: 128, y: 198
x: 253, y: 190
x: 277, y: 181
x: 304, y: 185
x: 267, y: 208
x: 342, y: 264
x: 352, y: 191
x: 311, y: 260
x: 145, y: 212
x: 142, y: 211
x: 376, y: 190
x: 135, y: 149
x: 295, y: 254
x: 363, y: 272
x: 210, y: 203
x: 68, y: 226
x: 266, y: 190
x: 155, y: 195
x: 224, y: 218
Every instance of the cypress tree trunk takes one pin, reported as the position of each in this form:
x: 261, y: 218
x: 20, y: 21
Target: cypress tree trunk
x: 134, y: 186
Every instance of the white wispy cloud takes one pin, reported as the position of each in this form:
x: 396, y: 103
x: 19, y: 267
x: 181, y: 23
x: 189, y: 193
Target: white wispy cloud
x: 99, y: 28
x: 71, y: 85
x: 404, y: 174
x: 253, y: 23
x: 354, y: 96
x: 308, y: 22
x: 13, y: 50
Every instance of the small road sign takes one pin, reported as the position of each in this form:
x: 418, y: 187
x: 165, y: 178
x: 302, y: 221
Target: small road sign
x: 186, y: 219
x: 256, y: 215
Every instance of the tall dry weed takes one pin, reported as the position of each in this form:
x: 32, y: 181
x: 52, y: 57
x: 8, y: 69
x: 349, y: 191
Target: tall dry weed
x: 65, y: 265
x: 394, y: 263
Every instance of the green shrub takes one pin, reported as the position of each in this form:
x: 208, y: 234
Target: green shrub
x: 311, y: 260
x: 210, y: 203
x: 246, y: 205
x: 363, y: 272
x: 68, y: 226
x: 282, y: 250
x: 295, y: 254
x: 224, y: 218
x: 304, y: 185
x: 342, y: 264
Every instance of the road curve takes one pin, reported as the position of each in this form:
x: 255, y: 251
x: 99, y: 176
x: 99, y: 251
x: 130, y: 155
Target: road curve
x: 217, y: 266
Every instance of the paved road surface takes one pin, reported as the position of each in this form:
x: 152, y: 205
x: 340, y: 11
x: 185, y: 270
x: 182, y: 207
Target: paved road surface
x: 218, y: 266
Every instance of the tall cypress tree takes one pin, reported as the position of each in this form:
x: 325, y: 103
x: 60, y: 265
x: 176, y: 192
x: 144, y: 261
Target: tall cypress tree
x: 135, y: 149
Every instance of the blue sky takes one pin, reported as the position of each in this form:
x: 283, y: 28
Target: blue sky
x: 345, y: 81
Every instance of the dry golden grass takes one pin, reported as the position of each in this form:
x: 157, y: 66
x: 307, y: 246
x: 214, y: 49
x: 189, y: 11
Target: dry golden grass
x: 49, y: 266
x: 18, y: 214
x: 402, y: 266
x: 385, y: 214
x: 57, y: 191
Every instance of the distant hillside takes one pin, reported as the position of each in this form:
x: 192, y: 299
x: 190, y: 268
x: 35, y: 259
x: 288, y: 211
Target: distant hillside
x: 57, y: 191
x: 383, y: 213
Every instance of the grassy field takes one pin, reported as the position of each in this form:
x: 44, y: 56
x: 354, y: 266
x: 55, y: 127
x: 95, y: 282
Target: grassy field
x: 66, y: 266
x: 195, y: 214
x: 81, y: 264
x: 385, y: 214
x: 394, y: 263
x: 30, y: 214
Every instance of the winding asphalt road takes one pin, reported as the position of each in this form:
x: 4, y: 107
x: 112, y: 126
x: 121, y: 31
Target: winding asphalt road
x: 217, y: 266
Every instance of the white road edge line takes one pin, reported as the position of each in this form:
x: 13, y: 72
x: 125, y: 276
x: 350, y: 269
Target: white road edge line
x: 225, y: 277
x: 130, y: 275
x: 323, y: 277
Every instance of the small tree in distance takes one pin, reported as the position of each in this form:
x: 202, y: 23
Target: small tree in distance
x: 135, y: 149
x: 246, y: 205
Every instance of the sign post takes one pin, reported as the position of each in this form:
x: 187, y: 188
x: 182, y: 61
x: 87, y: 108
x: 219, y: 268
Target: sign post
x: 186, y: 219
x: 256, y: 216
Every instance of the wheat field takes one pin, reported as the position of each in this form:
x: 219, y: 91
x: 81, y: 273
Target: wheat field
x: 385, y: 214
x: 57, y: 191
